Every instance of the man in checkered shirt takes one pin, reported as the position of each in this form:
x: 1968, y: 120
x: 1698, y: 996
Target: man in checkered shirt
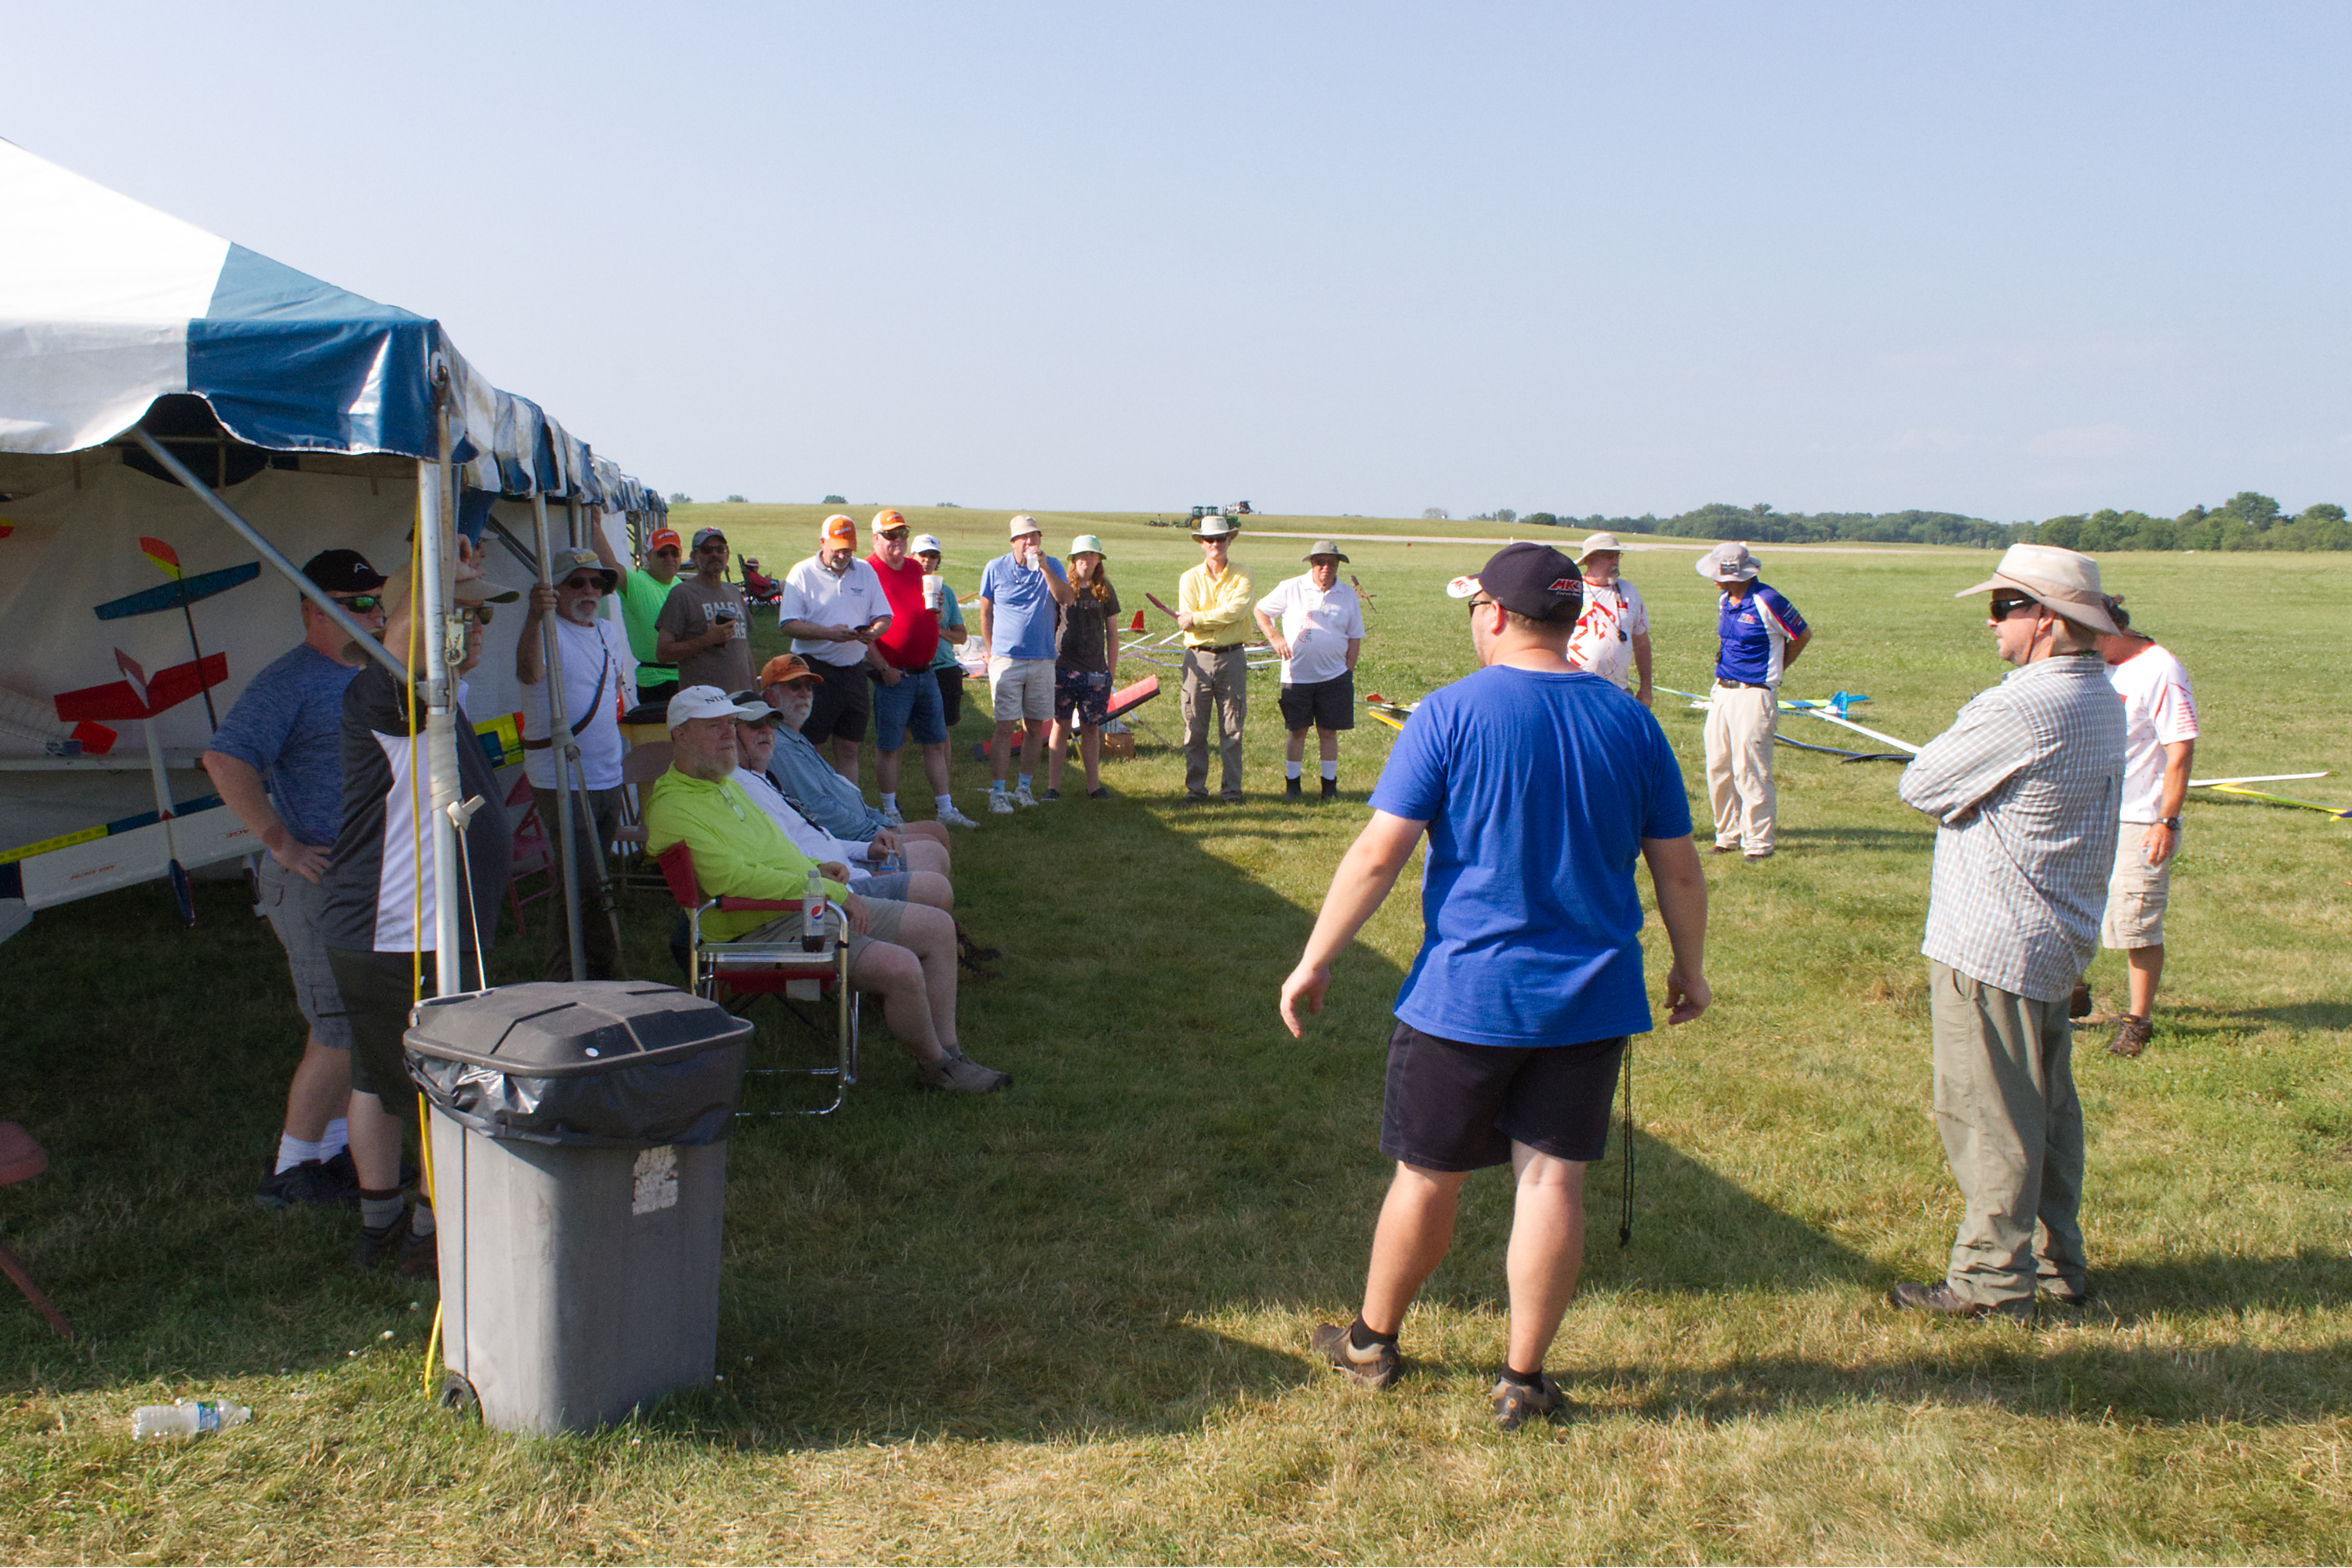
x: 2027, y: 784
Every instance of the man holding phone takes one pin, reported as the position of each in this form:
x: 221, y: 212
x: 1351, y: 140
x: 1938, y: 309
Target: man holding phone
x: 833, y: 609
x: 705, y: 625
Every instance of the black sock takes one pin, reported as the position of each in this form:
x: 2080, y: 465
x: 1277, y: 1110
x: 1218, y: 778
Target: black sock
x: 1524, y: 1379
x: 1360, y: 1336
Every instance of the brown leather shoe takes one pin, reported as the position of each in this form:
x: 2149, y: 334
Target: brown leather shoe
x: 2132, y: 1036
x: 1939, y: 1300
x: 2079, y: 1005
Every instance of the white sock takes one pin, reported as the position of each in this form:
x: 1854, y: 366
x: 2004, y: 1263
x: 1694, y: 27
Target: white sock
x: 293, y: 1151
x: 420, y: 1219
x: 945, y: 801
x: 1331, y: 769
x: 337, y: 1140
x: 1290, y: 769
x: 889, y: 800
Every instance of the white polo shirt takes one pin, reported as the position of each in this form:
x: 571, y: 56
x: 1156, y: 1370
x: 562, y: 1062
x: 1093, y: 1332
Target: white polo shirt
x: 813, y: 594
x: 1317, y: 624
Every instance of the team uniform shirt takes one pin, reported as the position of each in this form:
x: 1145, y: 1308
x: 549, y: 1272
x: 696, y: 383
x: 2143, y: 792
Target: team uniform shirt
x: 376, y: 900
x: 1538, y: 788
x: 950, y: 619
x: 2026, y: 785
x: 2157, y: 712
x: 739, y: 850
x: 1602, y: 641
x: 600, y: 684
x: 1219, y: 606
x: 913, y: 636
x: 287, y: 726
x: 1755, y: 629
x: 853, y: 599
x: 694, y: 607
x: 817, y: 791
x: 642, y: 597
x: 1318, y: 625
x: 1021, y: 607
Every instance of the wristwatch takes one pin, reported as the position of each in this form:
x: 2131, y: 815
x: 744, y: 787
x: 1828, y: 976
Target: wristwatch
x: 2173, y: 823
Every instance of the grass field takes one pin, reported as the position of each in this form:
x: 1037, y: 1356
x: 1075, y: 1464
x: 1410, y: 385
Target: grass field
x: 1068, y: 1322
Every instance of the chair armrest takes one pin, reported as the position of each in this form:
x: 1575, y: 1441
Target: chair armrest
x: 733, y: 904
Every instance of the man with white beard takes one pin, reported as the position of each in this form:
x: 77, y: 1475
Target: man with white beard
x: 600, y: 684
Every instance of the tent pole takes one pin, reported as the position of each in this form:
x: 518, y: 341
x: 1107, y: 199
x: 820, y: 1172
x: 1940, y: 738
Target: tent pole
x: 559, y: 736
x: 311, y: 590
x: 436, y: 566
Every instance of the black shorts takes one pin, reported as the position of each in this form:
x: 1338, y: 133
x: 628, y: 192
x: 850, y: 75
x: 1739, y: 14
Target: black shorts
x: 1456, y: 1107
x: 950, y: 693
x: 1322, y: 704
x: 844, y: 696
x: 376, y: 991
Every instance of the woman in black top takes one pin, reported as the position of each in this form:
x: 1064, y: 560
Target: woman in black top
x: 1086, y: 658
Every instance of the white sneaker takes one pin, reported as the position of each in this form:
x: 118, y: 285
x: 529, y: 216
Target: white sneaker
x: 890, y: 817
x: 1023, y: 797
x: 950, y: 817
x: 1000, y: 803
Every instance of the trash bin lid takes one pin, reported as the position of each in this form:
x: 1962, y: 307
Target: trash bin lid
x: 547, y: 1029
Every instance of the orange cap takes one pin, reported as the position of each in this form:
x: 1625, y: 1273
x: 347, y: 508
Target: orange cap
x: 783, y: 670
x: 887, y: 518
x: 838, y: 529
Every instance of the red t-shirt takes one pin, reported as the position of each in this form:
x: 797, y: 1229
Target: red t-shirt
x: 913, y: 639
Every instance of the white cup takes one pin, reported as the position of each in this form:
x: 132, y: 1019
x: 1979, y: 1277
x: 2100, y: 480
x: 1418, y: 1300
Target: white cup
x: 935, y: 589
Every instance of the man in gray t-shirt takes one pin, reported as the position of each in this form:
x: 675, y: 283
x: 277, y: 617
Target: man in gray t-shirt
x: 705, y: 627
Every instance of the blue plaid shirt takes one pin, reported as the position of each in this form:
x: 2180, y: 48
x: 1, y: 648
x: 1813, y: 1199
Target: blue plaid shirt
x: 2027, y: 784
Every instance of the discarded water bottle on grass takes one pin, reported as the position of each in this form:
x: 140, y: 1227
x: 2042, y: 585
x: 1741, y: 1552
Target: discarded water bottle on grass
x: 813, y: 915
x: 186, y: 1418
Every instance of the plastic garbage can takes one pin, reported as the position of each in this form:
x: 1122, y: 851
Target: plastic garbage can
x: 580, y: 1176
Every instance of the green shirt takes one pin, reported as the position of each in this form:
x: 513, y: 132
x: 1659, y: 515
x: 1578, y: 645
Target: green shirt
x: 642, y: 597
x: 950, y: 616
x: 739, y: 850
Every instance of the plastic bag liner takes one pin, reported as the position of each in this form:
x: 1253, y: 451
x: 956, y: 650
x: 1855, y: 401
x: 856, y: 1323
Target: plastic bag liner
x: 604, y: 1064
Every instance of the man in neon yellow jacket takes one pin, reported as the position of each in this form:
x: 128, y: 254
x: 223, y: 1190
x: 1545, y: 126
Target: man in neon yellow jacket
x: 904, y: 953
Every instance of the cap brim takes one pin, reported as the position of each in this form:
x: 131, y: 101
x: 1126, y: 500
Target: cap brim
x: 1462, y: 588
x: 1989, y: 583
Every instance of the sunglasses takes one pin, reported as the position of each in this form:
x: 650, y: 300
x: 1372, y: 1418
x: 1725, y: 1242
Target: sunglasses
x: 667, y: 550
x: 359, y: 604
x: 576, y: 584
x: 477, y: 614
x: 892, y: 533
x: 2004, y: 608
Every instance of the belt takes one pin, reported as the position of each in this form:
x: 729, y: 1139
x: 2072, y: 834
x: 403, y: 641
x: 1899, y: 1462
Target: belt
x: 1748, y: 685
x: 1220, y: 648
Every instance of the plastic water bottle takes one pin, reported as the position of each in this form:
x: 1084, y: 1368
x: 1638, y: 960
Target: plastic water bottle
x: 813, y: 915
x: 186, y: 1418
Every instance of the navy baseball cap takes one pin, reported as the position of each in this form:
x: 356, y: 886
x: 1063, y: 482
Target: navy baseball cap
x: 342, y: 571
x: 1527, y: 579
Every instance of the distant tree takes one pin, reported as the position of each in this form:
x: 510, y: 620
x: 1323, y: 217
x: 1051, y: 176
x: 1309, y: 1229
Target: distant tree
x: 1541, y: 520
x: 1435, y: 513
x: 2325, y: 511
x: 1482, y: 517
x: 948, y: 506
x: 2252, y: 508
x: 735, y: 498
x: 1504, y: 514
x: 832, y: 500
x: 680, y: 497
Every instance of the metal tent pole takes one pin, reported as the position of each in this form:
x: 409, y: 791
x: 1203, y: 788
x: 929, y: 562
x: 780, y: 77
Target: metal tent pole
x: 559, y: 736
x: 437, y: 570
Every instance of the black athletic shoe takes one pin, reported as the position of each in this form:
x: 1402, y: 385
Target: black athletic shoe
x: 1375, y: 1368
x: 1291, y: 790
x: 1330, y: 789
x: 310, y: 1182
x: 414, y: 1257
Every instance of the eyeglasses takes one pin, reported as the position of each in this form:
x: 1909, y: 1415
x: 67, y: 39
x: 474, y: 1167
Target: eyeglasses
x: 578, y: 585
x: 1478, y: 605
x: 892, y: 533
x: 359, y: 604
x: 477, y: 614
x: 667, y: 550
x: 2004, y: 608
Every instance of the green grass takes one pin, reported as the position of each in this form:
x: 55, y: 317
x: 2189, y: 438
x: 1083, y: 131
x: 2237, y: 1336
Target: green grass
x: 1068, y: 1322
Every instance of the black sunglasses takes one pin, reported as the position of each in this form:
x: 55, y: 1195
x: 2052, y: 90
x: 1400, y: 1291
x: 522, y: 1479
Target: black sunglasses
x: 2004, y: 608
x: 361, y: 602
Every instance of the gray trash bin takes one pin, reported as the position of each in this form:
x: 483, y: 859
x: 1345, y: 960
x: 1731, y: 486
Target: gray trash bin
x: 580, y: 1175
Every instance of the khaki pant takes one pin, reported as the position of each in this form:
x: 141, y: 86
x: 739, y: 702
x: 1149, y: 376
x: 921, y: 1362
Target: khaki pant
x: 1739, y: 766
x: 2013, y: 1134
x: 1220, y: 679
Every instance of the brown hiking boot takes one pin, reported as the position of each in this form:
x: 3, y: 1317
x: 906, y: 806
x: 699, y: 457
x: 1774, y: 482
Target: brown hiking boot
x: 2132, y: 1036
x: 1940, y: 1299
x: 2079, y: 1005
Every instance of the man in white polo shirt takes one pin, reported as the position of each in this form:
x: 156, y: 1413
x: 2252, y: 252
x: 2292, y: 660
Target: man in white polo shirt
x: 833, y: 609
x: 1614, y: 631
x: 2160, y: 747
x: 1319, y: 634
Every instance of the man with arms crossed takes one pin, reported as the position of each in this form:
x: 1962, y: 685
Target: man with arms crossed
x: 1760, y: 636
x: 1539, y: 785
x: 833, y: 609
x: 1212, y: 603
x: 1320, y: 634
x: 2160, y: 748
x: 2025, y: 785
x: 1614, y: 628
x: 1018, y: 592
x: 287, y: 729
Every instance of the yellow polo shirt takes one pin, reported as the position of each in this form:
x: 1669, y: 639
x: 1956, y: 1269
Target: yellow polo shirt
x: 1219, y: 606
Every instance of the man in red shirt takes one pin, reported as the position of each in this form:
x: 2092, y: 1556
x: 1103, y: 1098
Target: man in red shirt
x: 908, y: 699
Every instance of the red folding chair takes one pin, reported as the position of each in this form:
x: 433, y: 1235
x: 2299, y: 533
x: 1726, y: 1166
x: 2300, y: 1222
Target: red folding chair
x: 21, y: 1159
x: 737, y: 973
x: 532, y: 855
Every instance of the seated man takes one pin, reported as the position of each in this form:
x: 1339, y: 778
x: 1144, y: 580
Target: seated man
x: 905, y: 954
x: 758, y: 587
x: 755, y: 740
x: 798, y: 769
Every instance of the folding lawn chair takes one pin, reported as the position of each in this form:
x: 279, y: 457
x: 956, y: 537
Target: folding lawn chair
x: 532, y: 855
x: 737, y: 973
x: 639, y: 769
x: 21, y: 1159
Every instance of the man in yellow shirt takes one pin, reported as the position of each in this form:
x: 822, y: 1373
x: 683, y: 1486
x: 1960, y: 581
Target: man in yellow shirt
x: 1213, y: 606
x: 904, y: 953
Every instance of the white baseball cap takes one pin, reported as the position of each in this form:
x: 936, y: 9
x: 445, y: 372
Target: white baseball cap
x: 708, y: 703
x: 924, y: 543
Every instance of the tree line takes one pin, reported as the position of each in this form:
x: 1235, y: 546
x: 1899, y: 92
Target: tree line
x: 2247, y: 520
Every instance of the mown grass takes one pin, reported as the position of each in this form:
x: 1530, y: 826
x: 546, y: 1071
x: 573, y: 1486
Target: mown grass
x: 1067, y: 1323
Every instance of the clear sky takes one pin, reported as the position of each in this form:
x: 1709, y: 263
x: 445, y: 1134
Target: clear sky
x: 2007, y: 260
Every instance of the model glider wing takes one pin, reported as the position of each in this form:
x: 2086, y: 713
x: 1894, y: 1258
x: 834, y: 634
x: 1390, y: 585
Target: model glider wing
x: 179, y: 592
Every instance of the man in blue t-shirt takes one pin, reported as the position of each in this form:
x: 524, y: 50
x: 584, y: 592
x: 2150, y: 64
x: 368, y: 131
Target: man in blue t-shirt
x: 1760, y: 636
x: 278, y: 761
x: 1019, y: 592
x: 1538, y: 784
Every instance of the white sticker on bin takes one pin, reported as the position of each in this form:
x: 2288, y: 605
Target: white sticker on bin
x: 657, y: 1175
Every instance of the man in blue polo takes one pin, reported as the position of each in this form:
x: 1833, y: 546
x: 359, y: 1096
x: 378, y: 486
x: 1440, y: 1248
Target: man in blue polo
x: 1538, y: 784
x: 1762, y: 636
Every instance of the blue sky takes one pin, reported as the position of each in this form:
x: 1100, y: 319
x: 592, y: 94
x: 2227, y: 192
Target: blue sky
x: 2012, y: 261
